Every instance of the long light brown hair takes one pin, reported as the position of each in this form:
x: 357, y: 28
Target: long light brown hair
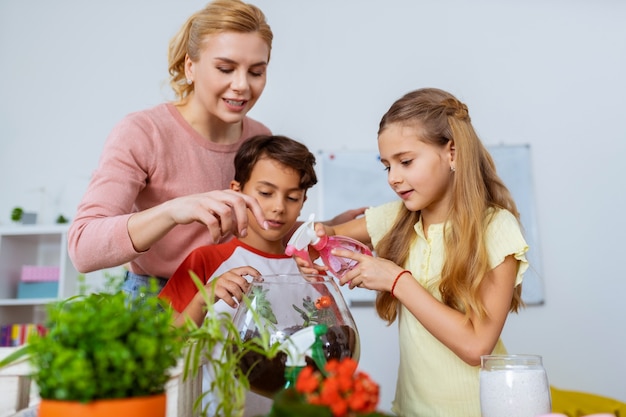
x: 217, y: 17
x: 476, y: 188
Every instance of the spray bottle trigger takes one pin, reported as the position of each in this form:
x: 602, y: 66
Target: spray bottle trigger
x: 303, y: 253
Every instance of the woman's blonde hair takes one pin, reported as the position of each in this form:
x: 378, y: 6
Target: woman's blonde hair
x: 476, y: 188
x: 217, y: 17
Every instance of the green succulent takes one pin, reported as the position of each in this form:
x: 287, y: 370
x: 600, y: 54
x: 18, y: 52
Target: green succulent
x: 262, y: 304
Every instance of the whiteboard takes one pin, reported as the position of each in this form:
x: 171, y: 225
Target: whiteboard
x: 351, y: 179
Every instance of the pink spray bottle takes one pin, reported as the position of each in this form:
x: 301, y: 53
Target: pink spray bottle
x: 305, y: 235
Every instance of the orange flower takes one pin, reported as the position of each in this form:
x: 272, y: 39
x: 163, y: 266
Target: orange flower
x: 358, y: 401
x: 344, y: 390
x: 347, y: 368
x: 339, y: 408
x: 323, y: 302
x: 330, y: 391
x: 332, y: 366
x: 308, y: 381
x: 314, y: 399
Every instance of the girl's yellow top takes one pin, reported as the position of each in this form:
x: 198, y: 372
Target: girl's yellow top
x: 432, y: 380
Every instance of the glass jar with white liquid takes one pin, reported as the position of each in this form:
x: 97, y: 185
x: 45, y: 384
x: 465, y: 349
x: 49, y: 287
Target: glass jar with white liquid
x: 513, y: 386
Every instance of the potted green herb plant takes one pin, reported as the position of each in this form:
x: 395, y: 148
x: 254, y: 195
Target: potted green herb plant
x: 104, y: 354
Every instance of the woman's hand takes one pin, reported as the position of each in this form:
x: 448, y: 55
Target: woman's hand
x: 231, y: 285
x: 223, y: 212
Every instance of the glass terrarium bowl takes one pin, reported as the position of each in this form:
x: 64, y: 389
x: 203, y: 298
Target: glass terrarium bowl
x: 284, y: 305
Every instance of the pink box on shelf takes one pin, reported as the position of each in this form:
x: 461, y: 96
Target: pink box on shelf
x: 32, y: 273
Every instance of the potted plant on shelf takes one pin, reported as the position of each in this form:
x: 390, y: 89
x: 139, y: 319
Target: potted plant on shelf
x: 103, y: 355
x: 18, y: 215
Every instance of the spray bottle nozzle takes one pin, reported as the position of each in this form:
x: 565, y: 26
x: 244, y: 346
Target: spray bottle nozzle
x: 302, y: 238
x: 303, y: 343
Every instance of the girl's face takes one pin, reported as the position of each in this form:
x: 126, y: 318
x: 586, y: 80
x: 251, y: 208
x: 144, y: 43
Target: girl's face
x: 417, y: 171
x: 277, y: 189
x: 229, y: 75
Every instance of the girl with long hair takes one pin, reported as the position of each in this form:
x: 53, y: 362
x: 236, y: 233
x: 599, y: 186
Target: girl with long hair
x: 450, y: 253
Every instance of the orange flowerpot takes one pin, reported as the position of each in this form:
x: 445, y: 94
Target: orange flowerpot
x: 151, y: 406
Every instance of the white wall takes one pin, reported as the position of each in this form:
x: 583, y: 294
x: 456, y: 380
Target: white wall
x: 549, y: 73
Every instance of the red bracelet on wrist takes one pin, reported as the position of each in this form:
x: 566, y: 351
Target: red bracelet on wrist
x: 395, y: 281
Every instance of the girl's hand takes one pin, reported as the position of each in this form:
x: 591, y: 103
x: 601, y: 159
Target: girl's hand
x: 231, y: 285
x: 371, y: 272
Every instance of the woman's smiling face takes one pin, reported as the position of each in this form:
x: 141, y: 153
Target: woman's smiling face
x: 230, y: 74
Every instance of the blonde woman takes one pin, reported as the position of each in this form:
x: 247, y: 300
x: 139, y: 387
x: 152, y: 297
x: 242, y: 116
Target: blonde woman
x: 161, y: 186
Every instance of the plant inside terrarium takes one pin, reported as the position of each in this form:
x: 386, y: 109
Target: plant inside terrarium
x: 312, y: 312
x: 316, y: 312
x: 263, y: 306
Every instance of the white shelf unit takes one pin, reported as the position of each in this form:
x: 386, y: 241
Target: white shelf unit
x: 40, y: 245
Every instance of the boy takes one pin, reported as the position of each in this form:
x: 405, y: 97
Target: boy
x: 277, y: 171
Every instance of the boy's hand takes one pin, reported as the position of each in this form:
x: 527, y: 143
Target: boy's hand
x: 231, y: 285
x: 307, y: 267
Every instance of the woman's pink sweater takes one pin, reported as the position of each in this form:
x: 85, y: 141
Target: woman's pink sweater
x: 150, y: 157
